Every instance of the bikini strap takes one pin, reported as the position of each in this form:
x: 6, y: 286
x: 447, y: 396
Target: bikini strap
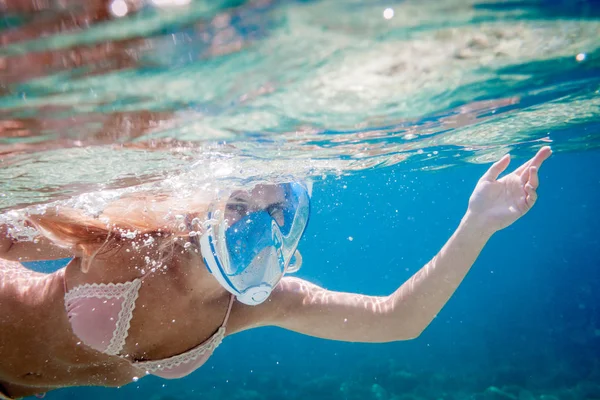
x: 144, y: 276
x: 65, y: 280
x: 231, y: 299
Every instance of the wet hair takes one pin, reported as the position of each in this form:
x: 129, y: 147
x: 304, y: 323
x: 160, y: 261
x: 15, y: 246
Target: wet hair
x: 162, y: 220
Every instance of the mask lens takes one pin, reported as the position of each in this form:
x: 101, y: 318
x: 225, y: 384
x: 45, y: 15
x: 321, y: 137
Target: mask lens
x: 273, y: 215
x: 247, y: 238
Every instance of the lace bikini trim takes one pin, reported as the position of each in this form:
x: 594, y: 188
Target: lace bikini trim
x: 183, y: 358
x: 129, y: 291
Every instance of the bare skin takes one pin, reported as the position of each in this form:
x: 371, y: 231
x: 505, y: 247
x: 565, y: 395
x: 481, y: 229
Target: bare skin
x: 181, y: 307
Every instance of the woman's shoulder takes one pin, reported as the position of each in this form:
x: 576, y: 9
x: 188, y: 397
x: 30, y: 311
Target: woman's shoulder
x: 13, y: 272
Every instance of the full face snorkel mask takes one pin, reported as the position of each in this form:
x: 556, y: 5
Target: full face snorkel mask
x: 253, y: 241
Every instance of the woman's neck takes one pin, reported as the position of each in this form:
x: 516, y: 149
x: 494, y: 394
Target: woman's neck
x: 198, y: 275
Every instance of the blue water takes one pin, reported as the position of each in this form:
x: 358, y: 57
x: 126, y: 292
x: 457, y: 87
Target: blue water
x: 394, y: 142
x: 526, y: 316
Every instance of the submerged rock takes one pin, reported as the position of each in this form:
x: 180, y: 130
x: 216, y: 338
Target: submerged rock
x: 403, y: 382
x: 493, y: 393
x: 319, y: 386
x: 588, y: 390
x: 351, y: 390
x: 525, y: 394
x: 405, y: 397
x: 512, y: 390
x: 379, y: 393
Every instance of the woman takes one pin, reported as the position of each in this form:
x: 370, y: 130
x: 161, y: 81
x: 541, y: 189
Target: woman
x: 136, y: 299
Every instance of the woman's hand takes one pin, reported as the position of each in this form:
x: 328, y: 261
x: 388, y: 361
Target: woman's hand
x: 497, y: 203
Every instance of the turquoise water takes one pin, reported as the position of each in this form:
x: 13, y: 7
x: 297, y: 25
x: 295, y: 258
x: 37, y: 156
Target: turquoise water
x: 393, y: 118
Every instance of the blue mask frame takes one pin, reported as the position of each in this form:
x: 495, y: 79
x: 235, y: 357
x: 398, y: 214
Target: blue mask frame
x: 251, y: 256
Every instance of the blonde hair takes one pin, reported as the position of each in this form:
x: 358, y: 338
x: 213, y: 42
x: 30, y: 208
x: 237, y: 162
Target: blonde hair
x: 164, y: 219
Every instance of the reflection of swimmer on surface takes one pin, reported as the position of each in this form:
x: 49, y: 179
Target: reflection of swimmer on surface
x: 55, y: 125
x: 154, y: 285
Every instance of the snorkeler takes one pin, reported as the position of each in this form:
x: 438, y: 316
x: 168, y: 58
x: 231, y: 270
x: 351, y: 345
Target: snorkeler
x: 154, y: 290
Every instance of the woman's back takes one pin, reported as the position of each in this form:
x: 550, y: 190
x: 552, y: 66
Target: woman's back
x: 175, y: 310
x: 36, y: 348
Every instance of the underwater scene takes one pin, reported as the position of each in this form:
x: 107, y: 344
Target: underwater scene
x: 391, y: 110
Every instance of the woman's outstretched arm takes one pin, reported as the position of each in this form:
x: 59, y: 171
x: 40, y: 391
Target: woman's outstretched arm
x: 312, y: 310
x: 306, y: 308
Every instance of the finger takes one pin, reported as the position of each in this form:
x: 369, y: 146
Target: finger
x: 531, y: 195
x: 541, y: 156
x: 524, y: 177
x: 537, y: 160
x: 530, y: 175
x: 519, y: 171
x: 496, y: 169
x: 534, y: 180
